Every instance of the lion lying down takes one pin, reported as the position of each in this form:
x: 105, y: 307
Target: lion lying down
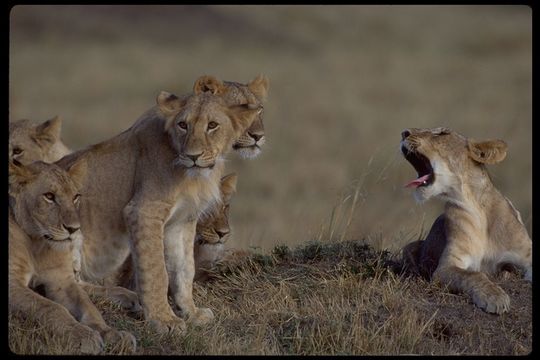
x: 43, y: 223
x: 480, y: 230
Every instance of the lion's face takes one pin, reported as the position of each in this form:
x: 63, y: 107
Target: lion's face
x: 46, y: 201
x: 29, y: 142
x: 445, y: 160
x: 249, y: 144
x: 214, y: 228
x: 203, y: 127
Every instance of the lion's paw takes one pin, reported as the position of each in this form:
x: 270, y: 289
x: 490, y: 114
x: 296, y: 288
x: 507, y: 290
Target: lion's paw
x: 173, y: 325
x: 202, y: 316
x: 492, y: 300
x: 127, y: 299
x: 88, y: 340
x: 121, y: 340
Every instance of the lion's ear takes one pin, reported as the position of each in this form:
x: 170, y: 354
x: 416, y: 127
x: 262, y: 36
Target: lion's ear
x: 169, y: 104
x: 487, y: 152
x: 49, y: 131
x: 259, y: 87
x: 207, y: 83
x: 228, y: 186
x: 77, y: 172
x: 19, y: 177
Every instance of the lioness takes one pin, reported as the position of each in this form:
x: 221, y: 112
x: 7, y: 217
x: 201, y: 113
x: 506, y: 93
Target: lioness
x: 480, y: 229
x: 146, y: 188
x: 29, y: 142
x: 43, y: 221
x: 213, y: 230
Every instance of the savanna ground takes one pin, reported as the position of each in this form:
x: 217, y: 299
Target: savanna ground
x: 344, y: 82
x: 321, y: 298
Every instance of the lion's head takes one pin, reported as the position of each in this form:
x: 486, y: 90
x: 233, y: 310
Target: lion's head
x: 214, y: 227
x: 446, y: 160
x: 202, y: 127
x: 249, y: 144
x: 29, y: 142
x: 45, y: 199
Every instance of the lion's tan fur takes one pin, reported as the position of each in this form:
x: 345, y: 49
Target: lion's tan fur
x: 147, y: 188
x: 29, y: 142
x: 212, y: 233
x: 249, y: 144
x: 43, y: 219
x: 480, y: 229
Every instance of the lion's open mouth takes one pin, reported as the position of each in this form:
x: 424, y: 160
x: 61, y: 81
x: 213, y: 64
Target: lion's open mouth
x: 422, y: 166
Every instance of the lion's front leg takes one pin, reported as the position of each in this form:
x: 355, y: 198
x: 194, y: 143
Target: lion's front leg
x: 117, y: 294
x: 179, y: 241
x: 145, y: 224
x: 484, y: 293
x: 53, y: 315
x: 76, y: 300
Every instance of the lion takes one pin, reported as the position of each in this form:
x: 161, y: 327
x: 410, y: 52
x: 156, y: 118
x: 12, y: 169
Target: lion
x: 213, y: 230
x: 29, y: 142
x: 146, y: 189
x: 43, y: 222
x: 249, y: 144
x: 480, y: 230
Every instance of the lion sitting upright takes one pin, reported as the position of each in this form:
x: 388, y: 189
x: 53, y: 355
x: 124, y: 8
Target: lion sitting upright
x: 480, y: 230
x: 147, y: 187
x: 43, y: 222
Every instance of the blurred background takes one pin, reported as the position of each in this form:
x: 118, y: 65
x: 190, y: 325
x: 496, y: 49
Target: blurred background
x: 344, y: 82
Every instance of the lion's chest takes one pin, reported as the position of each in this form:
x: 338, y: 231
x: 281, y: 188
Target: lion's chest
x: 193, y: 199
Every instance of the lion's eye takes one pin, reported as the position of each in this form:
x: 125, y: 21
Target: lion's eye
x: 17, y: 151
x: 212, y: 125
x: 76, y: 198
x: 182, y: 125
x: 49, y: 196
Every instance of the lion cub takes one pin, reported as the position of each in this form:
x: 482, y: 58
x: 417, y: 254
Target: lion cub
x: 480, y: 230
x: 29, y: 142
x: 213, y: 231
x: 43, y: 222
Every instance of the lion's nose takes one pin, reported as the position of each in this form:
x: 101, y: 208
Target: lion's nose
x: 222, y: 233
x: 194, y: 157
x: 255, y: 137
x: 405, y: 134
x: 71, y: 229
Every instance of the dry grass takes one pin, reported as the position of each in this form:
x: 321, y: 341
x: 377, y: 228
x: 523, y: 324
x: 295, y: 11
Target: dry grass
x: 318, y: 299
x: 345, y: 80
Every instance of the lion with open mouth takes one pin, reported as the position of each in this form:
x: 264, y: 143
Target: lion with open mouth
x: 480, y: 230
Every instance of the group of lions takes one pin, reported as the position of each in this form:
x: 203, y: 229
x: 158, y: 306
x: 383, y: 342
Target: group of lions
x: 137, y: 218
x: 140, y: 209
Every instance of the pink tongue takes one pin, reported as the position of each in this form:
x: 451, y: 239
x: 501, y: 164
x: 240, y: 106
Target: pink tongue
x: 417, y: 182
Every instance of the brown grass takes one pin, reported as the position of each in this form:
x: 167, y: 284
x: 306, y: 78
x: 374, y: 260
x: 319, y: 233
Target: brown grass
x: 322, y: 298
